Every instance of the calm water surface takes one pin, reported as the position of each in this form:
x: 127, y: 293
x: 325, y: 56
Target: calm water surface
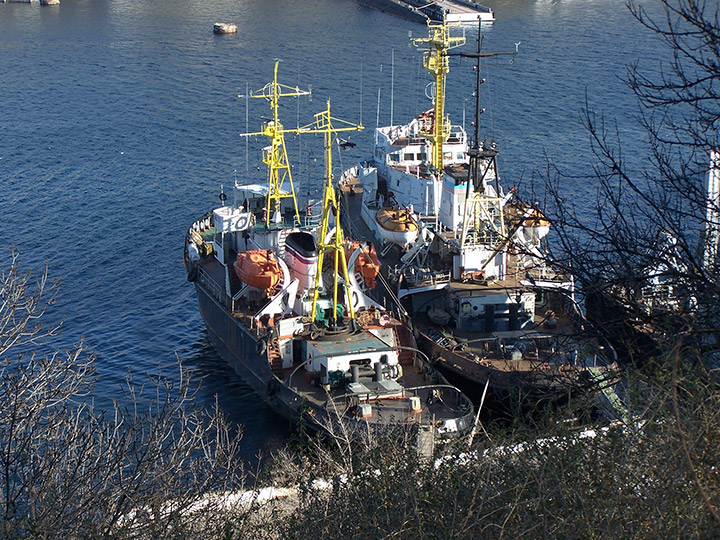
x: 119, y: 122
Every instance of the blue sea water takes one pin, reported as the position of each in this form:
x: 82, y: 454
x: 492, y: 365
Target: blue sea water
x: 119, y: 122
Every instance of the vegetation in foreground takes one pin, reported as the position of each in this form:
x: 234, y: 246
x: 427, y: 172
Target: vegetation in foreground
x: 166, y: 470
x: 655, y: 478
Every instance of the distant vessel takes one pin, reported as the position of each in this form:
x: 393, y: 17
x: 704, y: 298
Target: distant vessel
x: 462, y: 11
x: 486, y: 305
x: 307, y: 337
x: 224, y: 28
x: 455, y: 11
x: 399, y: 8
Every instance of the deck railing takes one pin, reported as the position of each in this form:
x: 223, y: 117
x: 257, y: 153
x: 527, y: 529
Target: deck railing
x: 482, y: 238
x: 415, y: 278
x: 445, y: 391
x: 213, y: 287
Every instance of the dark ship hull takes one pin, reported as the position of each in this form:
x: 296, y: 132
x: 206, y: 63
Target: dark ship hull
x: 238, y: 346
x: 294, y: 394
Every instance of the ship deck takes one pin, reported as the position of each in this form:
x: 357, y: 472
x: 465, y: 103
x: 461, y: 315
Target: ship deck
x: 213, y: 276
x: 392, y: 410
x: 516, y: 277
x: 390, y: 402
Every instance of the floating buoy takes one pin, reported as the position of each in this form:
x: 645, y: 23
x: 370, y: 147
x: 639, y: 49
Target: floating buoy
x: 224, y: 28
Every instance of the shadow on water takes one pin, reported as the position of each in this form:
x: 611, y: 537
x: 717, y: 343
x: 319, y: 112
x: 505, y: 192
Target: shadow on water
x: 263, y: 429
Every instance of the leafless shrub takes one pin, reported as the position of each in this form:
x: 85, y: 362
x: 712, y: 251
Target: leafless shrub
x: 67, y: 471
x: 625, y: 481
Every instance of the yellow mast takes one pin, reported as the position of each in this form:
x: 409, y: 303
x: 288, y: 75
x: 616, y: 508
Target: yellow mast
x: 437, y: 63
x: 275, y: 155
x: 324, y: 124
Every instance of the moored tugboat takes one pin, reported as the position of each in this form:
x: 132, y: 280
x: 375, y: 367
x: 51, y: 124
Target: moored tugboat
x: 306, y: 336
x: 487, y: 306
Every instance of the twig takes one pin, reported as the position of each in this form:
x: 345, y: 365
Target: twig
x: 683, y: 441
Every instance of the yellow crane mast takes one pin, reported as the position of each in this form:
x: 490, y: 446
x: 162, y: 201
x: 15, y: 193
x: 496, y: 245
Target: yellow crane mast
x: 437, y: 63
x: 324, y: 124
x: 275, y: 155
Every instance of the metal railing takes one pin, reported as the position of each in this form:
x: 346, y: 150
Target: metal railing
x: 414, y: 391
x: 213, y: 287
x: 482, y: 238
x: 413, y: 277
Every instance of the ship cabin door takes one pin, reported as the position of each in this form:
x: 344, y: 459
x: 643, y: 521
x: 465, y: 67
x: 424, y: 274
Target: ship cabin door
x: 299, y: 351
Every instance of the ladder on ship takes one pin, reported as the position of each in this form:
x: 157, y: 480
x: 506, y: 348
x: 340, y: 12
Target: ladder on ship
x: 403, y: 338
x: 275, y: 356
x: 281, y: 243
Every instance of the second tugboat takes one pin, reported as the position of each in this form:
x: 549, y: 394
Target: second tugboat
x: 304, y: 334
x: 487, y: 307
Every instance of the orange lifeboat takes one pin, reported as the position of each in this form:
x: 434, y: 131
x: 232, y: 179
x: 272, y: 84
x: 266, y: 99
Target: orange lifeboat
x: 258, y: 268
x: 367, y: 264
x: 396, y: 225
x: 396, y: 219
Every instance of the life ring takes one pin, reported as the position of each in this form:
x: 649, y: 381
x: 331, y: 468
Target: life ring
x: 261, y: 347
x: 192, y: 273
